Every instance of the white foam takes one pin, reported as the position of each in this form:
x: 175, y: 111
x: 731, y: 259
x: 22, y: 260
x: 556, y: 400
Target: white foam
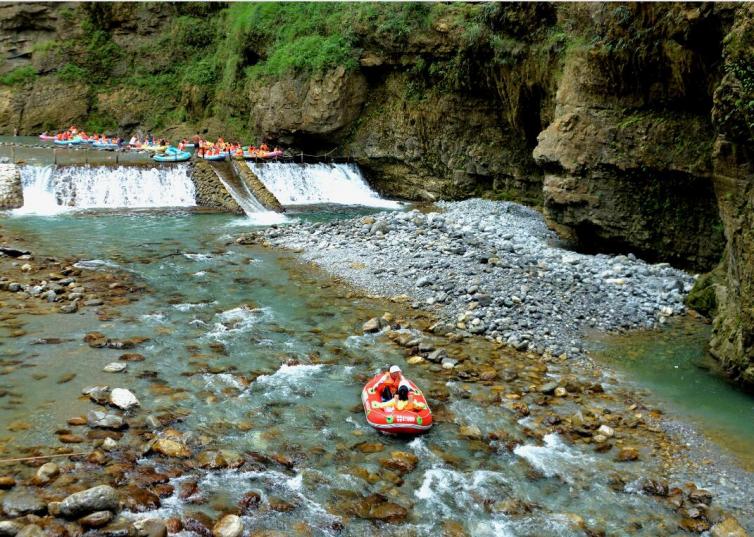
x: 442, y: 487
x: 555, y: 458
x: 190, y: 306
x: 94, y: 264
x: 49, y: 190
x: 236, y: 320
x: 309, y: 184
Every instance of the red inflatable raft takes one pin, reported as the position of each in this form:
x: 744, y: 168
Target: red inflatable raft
x: 393, y: 421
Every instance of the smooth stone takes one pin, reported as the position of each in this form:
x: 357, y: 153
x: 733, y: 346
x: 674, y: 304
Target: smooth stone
x: 627, y: 454
x: 104, y: 420
x: 371, y: 326
x: 549, y: 388
x: 228, y: 526
x: 729, y: 527
x: 46, y: 473
x: 20, y: 503
x: 96, y: 519
x: 470, y: 431
x: 99, y: 498
x: 114, y: 367
x: 606, y: 430
x: 7, y: 482
x: 9, y: 528
x: 151, y: 527
x: 31, y: 530
x: 414, y: 360
x: 170, y: 448
x: 123, y: 399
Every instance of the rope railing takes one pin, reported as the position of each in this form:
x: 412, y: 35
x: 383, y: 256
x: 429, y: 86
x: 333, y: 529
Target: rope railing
x: 98, y: 156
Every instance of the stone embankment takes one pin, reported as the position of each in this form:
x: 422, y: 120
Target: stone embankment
x: 491, y: 268
x: 210, y: 192
x: 256, y: 186
x: 11, y: 192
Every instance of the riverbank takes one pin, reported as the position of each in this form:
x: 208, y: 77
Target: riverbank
x: 248, y: 406
x: 493, y: 269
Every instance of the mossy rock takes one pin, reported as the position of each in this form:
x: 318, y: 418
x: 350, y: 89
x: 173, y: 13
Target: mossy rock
x: 702, y: 296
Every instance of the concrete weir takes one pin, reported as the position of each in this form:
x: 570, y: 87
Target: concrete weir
x: 11, y: 191
x: 256, y: 186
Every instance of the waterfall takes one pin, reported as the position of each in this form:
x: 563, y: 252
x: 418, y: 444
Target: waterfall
x: 310, y: 184
x: 245, y: 198
x: 39, y: 191
x: 48, y: 190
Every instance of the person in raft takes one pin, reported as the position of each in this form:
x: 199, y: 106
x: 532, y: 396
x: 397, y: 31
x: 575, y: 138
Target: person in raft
x: 390, y: 383
x: 403, y: 400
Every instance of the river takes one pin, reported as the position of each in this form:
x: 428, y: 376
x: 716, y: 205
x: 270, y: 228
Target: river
x: 253, y: 352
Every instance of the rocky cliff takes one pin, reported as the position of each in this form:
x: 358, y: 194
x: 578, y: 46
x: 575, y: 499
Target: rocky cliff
x: 630, y: 125
x: 733, y: 160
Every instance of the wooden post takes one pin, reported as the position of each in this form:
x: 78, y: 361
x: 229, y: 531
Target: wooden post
x: 54, y: 156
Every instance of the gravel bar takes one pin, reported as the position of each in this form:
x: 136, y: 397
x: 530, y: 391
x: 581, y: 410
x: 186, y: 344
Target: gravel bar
x: 494, y: 269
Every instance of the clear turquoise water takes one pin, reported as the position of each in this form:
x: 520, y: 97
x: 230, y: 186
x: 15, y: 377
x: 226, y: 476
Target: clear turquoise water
x: 675, y: 367
x: 293, y: 368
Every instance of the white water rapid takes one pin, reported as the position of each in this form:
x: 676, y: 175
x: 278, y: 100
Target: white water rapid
x: 50, y: 189
x: 310, y: 184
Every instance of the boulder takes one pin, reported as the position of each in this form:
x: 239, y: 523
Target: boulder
x: 99, y: 498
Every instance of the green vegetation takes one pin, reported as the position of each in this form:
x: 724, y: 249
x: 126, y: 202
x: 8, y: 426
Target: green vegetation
x: 18, y: 76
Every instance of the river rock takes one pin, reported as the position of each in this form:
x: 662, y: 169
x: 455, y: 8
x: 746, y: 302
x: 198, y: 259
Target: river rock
x: 401, y: 461
x: 371, y: 326
x: 170, y: 448
x: 729, y: 527
x: 73, y: 307
x: 139, y: 499
x: 123, y: 399
x: 104, y: 420
x: 131, y: 357
x: 21, y: 502
x: 9, y: 528
x: 388, y: 512
x: 114, y: 367
x: 96, y: 519
x: 151, y: 527
x: 606, y: 430
x: 549, y: 388
x: 99, y: 498
x: 627, y: 454
x: 31, y: 530
x: 470, y: 431
x: 437, y: 356
x: 96, y: 340
x: 46, y: 473
x: 98, y: 394
x: 7, y: 482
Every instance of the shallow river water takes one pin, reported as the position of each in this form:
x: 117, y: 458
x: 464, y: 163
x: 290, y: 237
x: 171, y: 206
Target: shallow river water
x: 256, y: 353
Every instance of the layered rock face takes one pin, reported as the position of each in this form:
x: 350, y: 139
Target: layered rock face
x: 295, y: 108
x: 733, y: 157
x: 450, y: 146
x: 626, y: 159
